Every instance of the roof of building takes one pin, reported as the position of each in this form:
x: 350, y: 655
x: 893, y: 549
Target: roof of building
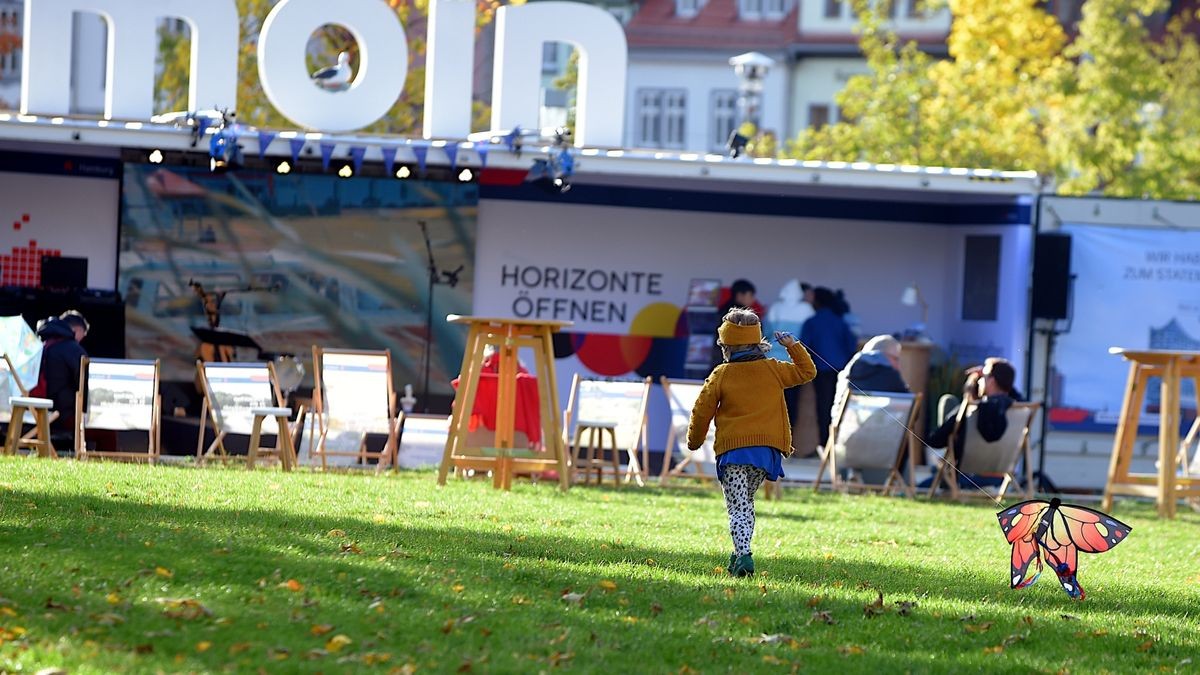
x: 715, y: 26
x: 592, y: 163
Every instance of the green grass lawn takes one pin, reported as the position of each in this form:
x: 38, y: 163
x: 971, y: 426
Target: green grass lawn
x: 123, y: 568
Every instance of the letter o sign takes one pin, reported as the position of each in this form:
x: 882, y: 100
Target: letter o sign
x: 382, y: 68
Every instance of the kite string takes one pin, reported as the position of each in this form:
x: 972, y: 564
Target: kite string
x: 911, y: 432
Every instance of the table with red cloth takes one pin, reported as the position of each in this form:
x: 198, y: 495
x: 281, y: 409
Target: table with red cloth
x: 528, y: 416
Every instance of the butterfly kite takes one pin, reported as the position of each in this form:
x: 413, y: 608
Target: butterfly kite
x: 1059, y: 532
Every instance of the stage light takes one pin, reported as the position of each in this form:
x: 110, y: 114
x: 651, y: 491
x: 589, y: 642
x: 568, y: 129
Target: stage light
x: 345, y: 171
x: 465, y: 176
x: 403, y: 172
x: 156, y: 157
x: 284, y: 168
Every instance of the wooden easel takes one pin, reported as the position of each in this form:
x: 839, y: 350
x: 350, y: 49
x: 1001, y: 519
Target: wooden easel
x: 1165, y: 487
x: 507, y: 336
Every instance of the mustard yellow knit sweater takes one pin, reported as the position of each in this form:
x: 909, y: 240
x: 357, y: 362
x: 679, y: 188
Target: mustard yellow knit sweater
x: 746, y: 397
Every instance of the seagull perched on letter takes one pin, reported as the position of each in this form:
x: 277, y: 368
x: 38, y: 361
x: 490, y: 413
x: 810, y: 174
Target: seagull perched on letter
x: 335, y: 78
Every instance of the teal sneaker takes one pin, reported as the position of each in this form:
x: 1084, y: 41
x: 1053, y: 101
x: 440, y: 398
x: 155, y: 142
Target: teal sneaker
x: 732, y: 559
x: 743, y: 566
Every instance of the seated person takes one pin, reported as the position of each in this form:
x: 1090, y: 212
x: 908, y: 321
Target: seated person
x: 59, y: 376
x: 875, y: 368
x: 989, y: 385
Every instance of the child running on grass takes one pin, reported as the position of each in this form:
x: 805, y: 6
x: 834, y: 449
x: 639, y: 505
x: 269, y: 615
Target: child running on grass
x: 745, y: 394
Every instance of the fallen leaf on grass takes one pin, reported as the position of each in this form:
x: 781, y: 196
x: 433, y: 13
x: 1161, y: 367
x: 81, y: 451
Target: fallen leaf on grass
x: 7, y: 611
x: 351, y: 547
x: 876, y: 608
x: 1146, y: 646
x: 51, y: 604
x: 144, y: 649
x: 824, y: 617
x: 775, y: 639
x: 904, y: 607
x: 279, y: 653
x: 522, y: 600
x: 607, y: 585
x: 851, y: 650
x: 655, y: 609
x: 559, y: 658
x: 574, y: 598
x: 321, y: 629
x: 1027, y: 620
x: 183, y: 608
x: 315, y: 654
x: 997, y: 649
x: 238, y: 648
x: 815, y: 600
x: 376, y: 658
x: 707, y: 620
x: 113, y: 598
x: 978, y: 627
x: 337, y: 643
x: 967, y: 617
x: 292, y: 585
x: 164, y: 572
x: 203, y: 646
x: 108, y: 619
x: 336, y: 533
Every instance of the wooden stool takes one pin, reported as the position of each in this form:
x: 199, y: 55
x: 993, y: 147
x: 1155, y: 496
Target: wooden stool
x: 283, y: 444
x: 40, y: 439
x: 1165, y: 487
x: 507, y: 335
x: 597, y: 432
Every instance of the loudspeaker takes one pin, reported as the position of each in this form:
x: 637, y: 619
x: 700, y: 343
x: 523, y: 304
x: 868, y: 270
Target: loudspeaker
x: 1051, y: 276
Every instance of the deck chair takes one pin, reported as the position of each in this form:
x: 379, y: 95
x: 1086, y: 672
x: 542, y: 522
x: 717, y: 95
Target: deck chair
x: 21, y: 364
x: 596, y: 402
x: 118, y: 395
x: 999, y: 458
x: 702, y: 463
x: 354, y: 397
x: 231, y: 391
x: 870, y: 433
x: 422, y: 440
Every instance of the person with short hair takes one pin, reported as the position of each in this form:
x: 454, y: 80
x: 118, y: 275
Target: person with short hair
x: 876, y: 367
x: 832, y: 344
x: 58, y: 379
x: 992, y: 386
x: 744, y: 395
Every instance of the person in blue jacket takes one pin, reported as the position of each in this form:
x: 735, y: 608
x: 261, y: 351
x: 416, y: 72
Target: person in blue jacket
x: 831, y: 344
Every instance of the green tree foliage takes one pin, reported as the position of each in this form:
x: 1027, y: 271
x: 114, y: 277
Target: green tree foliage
x: 1112, y: 110
x: 253, y: 106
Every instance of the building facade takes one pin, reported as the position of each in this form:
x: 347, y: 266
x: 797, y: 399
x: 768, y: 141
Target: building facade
x: 683, y: 94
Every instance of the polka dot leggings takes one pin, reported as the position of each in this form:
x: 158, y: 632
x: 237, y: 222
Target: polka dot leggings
x: 740, y: 483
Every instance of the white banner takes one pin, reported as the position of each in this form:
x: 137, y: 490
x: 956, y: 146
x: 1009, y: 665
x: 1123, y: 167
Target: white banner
x: 1137, y: 288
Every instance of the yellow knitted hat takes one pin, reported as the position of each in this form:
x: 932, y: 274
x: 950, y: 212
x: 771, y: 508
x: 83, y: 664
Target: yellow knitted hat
x: 732, y: 334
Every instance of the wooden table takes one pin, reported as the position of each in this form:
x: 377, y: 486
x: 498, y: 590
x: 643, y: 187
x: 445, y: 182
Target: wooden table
x: 1165, y: 486
x: 508, y: 335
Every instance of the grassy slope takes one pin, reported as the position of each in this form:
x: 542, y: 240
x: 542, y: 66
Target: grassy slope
x: 466, y: 577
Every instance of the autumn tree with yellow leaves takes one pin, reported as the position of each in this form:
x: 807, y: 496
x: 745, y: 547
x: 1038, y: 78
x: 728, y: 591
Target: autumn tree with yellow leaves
x: 1107, y: 111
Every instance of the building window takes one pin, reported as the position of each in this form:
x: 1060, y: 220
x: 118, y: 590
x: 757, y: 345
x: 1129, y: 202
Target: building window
x: 750, y: 9
x: 724, y: 117
x: 915, y: 10
x: 661, y: 118
x: 776, y: 8
x: 550, y: 59
x: 818, y: 115
x: 688, y: 8
x: 833, y: 9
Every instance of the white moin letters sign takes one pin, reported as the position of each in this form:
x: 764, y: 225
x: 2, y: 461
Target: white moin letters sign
x: 382, y: 68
